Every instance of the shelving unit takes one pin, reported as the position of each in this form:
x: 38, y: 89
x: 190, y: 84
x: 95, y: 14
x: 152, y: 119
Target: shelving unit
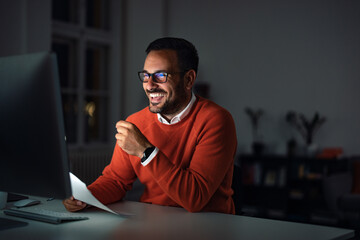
x: 288, y: 188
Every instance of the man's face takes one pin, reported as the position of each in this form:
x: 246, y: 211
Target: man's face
x: 167, y: 98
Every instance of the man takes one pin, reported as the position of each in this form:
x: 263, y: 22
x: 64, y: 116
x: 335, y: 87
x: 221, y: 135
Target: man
x: 181, y: 147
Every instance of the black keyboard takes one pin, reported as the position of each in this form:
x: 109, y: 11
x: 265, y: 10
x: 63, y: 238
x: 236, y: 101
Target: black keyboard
x: 44, y: 215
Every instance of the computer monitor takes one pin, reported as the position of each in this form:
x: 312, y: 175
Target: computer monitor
x: 33, y: 153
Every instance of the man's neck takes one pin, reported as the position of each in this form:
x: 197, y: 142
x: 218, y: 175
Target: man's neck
x: 169, y: 117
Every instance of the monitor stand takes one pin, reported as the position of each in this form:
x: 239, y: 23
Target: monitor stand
x: 6, y: 223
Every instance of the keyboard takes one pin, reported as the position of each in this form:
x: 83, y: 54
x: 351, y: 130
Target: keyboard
x: 44, y: 215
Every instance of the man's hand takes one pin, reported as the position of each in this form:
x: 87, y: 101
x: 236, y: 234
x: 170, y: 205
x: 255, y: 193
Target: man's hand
x: 73, y: 205
x: 130, y: 139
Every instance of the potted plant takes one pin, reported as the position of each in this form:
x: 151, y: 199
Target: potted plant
x: 306, y: 127
x: 255, y: 115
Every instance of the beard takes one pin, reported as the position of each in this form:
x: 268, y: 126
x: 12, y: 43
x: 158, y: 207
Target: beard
x: 170, y: 107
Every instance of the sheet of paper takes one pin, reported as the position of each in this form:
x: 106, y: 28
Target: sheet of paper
x: 80, y: 192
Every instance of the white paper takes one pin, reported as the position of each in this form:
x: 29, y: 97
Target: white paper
x: 80, y: 192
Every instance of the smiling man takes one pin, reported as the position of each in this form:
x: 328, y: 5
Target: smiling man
x: 181, y: 147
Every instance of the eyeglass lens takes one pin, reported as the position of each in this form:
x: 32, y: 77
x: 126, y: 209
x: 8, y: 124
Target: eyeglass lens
x: 157, y: 77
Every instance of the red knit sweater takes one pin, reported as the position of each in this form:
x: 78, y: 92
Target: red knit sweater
x: 193, y: 168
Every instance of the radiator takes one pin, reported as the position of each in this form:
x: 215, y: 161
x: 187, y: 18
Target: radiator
x: 88, y: 165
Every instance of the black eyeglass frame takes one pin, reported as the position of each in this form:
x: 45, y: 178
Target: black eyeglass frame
x: 153, y: 76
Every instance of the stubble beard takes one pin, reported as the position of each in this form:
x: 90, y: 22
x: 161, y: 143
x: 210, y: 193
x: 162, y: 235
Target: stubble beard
x: 170, y: 107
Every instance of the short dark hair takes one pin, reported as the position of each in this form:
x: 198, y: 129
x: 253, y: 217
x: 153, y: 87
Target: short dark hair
x: 186, y: 52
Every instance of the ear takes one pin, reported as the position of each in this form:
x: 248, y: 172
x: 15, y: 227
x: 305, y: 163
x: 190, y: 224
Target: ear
x: 190, y: 77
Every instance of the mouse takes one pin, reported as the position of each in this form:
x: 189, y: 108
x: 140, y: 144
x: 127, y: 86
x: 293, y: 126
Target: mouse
x: 26, y: 202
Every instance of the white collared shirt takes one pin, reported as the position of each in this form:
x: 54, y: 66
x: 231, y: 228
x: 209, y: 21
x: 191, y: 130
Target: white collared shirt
x: 174, y: 120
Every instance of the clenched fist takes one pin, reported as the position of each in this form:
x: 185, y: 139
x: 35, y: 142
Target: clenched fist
x: 131, y: 139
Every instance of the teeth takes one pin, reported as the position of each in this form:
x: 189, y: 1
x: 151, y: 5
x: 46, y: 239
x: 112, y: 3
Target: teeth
x: 156, y: 95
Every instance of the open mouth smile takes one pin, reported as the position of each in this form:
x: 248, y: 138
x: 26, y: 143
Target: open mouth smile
x: 155, y: 98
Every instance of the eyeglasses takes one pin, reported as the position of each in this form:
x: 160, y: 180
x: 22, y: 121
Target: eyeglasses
x: 158, y: 77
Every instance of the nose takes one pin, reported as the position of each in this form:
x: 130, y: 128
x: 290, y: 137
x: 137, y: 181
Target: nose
x: 151, y: 84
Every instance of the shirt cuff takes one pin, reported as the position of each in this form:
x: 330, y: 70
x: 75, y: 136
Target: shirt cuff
x: 151, y: 157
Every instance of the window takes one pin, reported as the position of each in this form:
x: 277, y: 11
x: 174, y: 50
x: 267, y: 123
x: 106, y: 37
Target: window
x: 83, y: 39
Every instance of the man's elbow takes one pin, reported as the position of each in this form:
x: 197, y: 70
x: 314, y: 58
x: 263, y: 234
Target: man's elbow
x: 194, y: 207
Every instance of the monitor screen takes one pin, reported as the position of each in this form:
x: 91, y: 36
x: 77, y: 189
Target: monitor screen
x: 33, y: 154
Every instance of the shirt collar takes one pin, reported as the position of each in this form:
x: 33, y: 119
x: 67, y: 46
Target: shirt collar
x: 181, y: 115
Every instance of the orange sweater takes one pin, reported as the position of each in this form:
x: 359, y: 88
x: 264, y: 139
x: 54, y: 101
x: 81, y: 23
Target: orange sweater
x: 193, y: 168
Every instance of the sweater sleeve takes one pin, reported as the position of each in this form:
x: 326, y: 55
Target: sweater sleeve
x: 214, y: 154
x: 116, y: 180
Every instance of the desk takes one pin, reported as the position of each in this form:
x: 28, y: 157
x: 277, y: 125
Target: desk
x: 159, y: 222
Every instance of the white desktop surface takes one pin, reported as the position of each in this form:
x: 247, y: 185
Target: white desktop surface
x: 159, y: 222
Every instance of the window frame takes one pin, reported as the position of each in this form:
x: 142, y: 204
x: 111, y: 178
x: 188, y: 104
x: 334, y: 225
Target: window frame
x: 83, y: 36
